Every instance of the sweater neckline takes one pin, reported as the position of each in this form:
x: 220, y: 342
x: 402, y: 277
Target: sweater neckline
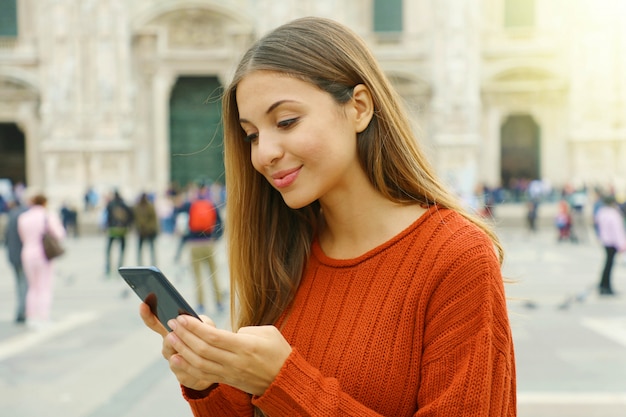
x: 317, y: 252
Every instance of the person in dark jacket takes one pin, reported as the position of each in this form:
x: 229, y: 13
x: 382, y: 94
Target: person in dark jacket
x: 119, y: 218
x: 147, y: 225
x: 14, y: 251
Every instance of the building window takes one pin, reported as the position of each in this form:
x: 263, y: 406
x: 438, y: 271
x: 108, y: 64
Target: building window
x: 8, y: 18
x: 387, y: 16
x: 519, y: 13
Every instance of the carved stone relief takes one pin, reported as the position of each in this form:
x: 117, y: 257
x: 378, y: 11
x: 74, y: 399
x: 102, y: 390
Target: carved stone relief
x: 64, y: 167
x: 13, y: 91
x: 193, y: 28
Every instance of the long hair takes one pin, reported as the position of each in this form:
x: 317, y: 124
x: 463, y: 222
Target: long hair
x: 269, y: 243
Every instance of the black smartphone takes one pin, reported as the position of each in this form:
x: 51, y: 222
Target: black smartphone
x: 154, y: 289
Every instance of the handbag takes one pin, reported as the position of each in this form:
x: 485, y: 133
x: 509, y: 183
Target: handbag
x: 51, y: 244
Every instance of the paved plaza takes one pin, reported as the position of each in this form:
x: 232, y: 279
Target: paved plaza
x: 98, y: 360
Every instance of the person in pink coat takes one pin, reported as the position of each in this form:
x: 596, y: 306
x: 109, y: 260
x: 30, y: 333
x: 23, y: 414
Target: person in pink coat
x: 37, y: 268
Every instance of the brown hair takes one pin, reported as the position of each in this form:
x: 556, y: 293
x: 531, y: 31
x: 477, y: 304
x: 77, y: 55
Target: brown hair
x: 39, y: 200
x: 269, y: 243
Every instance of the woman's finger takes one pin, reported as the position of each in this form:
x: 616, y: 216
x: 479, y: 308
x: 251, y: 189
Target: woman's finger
x: 207, y: 320
x: 196, y: 361
x: 194, y: 380
x: 199, y: 344
x: 151, y: 321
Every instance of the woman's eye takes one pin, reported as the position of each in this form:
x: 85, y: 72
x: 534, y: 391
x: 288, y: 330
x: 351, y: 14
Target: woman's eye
x: 287, y: 123
x: 251, y: 137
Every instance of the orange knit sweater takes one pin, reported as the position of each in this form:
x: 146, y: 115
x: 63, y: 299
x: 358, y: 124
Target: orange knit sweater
x: 415, y: 327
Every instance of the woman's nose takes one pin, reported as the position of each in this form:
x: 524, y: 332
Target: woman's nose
x: 267, y: 150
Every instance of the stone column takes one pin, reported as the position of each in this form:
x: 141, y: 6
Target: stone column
x: 163, y: 83
x: 456, y: 106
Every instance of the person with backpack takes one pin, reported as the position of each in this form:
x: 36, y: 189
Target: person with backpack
x: 147, y: 226
x: 205, y: 228
x: 119, y: 218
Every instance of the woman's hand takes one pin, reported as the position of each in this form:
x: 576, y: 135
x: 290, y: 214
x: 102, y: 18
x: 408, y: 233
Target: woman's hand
x: 248, y: 360
x: 152, y: 322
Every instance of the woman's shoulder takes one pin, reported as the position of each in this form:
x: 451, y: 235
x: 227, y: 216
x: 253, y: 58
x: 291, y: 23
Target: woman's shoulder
x: 448, y: 222
x: 448, y: 230
x: 34, y: 211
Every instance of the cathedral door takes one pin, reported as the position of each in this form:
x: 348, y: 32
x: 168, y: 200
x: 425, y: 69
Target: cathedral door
x: 12, y: 153
x: 519, y: 149
x: 196, y: 135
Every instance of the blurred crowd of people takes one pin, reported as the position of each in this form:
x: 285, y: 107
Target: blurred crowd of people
x: 25, y: 216
x: 582, y: 213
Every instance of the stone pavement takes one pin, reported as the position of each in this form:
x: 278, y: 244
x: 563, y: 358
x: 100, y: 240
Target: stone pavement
x: 570, y: 342
x: 98, y: 360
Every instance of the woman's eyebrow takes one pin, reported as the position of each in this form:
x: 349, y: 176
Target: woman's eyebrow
x: 270, y: 108
x: 278, y: 103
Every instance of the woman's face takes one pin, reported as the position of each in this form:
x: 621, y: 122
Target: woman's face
x: 302, y: 141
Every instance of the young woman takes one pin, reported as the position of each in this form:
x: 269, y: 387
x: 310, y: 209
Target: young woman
x: 39, y: 271
x: 360, y: 285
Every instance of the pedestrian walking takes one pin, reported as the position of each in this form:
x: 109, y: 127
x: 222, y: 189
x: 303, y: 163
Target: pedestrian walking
x: 14, y: 253
x: 38, y: 269
x: 181, y: 222
x: 119, y: 218
x: 362, y: 285
x: 578, y: 201
x: 147, y: 226
x: 205, y: 228
x: 69, y: 218
x: 532, y: 208
x: 610, y: 224
x: 564, y: 222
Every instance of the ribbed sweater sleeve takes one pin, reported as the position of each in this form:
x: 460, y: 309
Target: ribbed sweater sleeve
x: 301, y: 390
x: 467, y: 363
x: 223, y: 401
x: 416, y: 327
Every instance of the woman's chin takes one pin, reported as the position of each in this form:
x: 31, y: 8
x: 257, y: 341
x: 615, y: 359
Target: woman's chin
x: 295, y: 202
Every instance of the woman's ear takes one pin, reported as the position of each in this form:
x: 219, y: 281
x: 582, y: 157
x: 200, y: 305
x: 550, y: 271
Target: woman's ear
x: 363, y: 106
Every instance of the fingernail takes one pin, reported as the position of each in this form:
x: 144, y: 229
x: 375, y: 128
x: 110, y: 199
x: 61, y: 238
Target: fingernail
x: 172, y: 338
x: 181, y: 319
x: 172, y: 323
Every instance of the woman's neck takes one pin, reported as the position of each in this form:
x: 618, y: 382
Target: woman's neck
x: 358, y: 225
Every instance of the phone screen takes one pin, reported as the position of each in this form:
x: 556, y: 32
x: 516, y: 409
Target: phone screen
x: 153, y: 288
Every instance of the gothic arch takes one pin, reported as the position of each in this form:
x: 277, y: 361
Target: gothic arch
x: 20, y: 79
x: 152, y: 12
x: 523, y: 78
x: 408, y: 84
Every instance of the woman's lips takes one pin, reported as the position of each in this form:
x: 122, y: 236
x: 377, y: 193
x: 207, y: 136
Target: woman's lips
x: 285, y: 178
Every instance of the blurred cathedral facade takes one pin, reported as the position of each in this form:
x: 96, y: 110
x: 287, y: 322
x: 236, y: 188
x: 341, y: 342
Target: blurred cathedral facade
x: 117, y: 93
